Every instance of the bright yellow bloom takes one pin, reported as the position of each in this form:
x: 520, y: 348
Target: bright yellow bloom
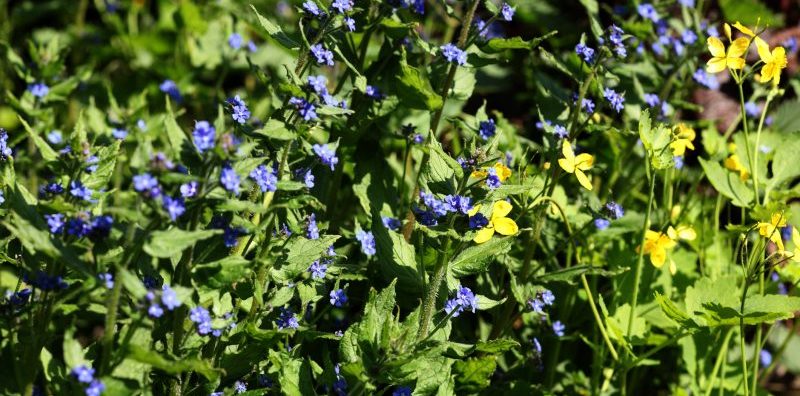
x: 685, y: 232
x: 503, y: 172
x: 742, y: 28
x: 576, y: 164
x: 498, y: 223
x: 772, y: 230
x: 733, y: 163
x: 656, y: 245
x: 721, y: 59
x: 683, y: 139
x: 773, y: 61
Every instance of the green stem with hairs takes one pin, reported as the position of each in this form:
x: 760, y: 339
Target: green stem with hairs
x: 640, y: 259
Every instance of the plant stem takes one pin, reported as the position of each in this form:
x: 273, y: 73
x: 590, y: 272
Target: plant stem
x: 433, y: 291
x: 597, y: 318
x: 758, y: 143
x: 742, y: 345
x: 720, y: 357
x: 747, y: 143
x: 638, y: 273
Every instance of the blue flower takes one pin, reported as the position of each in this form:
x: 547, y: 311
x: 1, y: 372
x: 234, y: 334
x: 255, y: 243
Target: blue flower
x: 417, y: 138
x: 765, y: 358
x: 391, y: 223
x: 547, y: 297
x: 323, y: 55
x: 5, y: 151
x: 83, y: 374
x: 458, y: 203
x: 100, y: 227
x: 678, y: 162
x: 155, y: 311
x: 601, y: 223
x: 146, y: 183
x: 251, y: 46
x: 687, y: 3
x: 350, y: 23
x: 326, y: 155
x: 402, y: 391
x: 189, y: 190
x: 305, y: 108
x: 752, y: 109
x: 174, y: 206
x: 705, y: 79
x: 558, y: 328
x: 486, y: 129
x: 78, y: 227
x: 312, y: 231
x: 507, y: 11
x: 587, y: 105
x: 318, y: 270
x: 96, y: 388
x: 286, y: 319
x: 308, y: 179
x: 55, y: 222
x: 373, y: 93
x: 560, y: 131
x: 229, y: 179
x: 688, y: 36
x: 203, y: 136
x: 338, y: 297
x: 647, y: 11
x: 78, y: 190
x: 586, y: 53
x: 536, y: 305
x: 615, y: 99
x: 318, y: 84
x: 235, y: 40
x: 266, y: 179
x: 465, y: 299
x: 342, y: 5
x: 312, y: 8
x: 454, y: 54
x: 119, y: 133
x: 21, y: 297
x: 652, y: 99
x: 478, y: 221
x: 55, y: 137
x: 537, y: 347
x: 367, y: 242
x: 54, y: 188
x: 39, y: 90
x: 170, y: 88
x: 492, y: 180
x: 614, y: 210
x: 239, y: 387
x: 437, y: 207
x: 239, y: 111
x: 790, y: 44
x: 615, y: 35
x: 169, y: 298
x: 107, y: 279
x: 141, y: 125
x: 202, y: 318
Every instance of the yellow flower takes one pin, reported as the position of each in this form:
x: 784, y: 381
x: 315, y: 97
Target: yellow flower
x: 683, y: 140
x: 503, y: 172
x: 498, y: 223
x: 721, y: 59
x: 572, y: 164
x: 772, y: 230
x: 656, y: 245
x: 773, y: 61
x: 741, y: 28
x: 685, y: 232
x: 733, y: 163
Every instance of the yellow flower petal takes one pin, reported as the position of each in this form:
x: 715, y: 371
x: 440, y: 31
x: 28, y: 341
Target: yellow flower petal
x: 505, y: 226
x: 672, y: 267
x: 503, y: 172
x: 566, y: 165
x: 727, y: 29
x: 583, y: 179
x: 763, y: 50
x: 475, y: 209
x: 500, y: 209
x: 584, y: 161
x: 484, y: 234
x: 658, y: 256
x: 566, y: 150
x: 716, y: 65
x: 716, y: 47
x: 738, y: 48
x: 743, y: 29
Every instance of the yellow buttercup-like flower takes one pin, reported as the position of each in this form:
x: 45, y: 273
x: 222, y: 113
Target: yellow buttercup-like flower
x: 503, y: 172
x: 742, y: 28
x: 498, y: 223
x: 683, y: 138
x: 772, y: 230
x: 773, y: 61
x: 656, y: 245
x: 685, y: 232
x: 733, y: 163
x: 576, y: 164
x: 722, y: 59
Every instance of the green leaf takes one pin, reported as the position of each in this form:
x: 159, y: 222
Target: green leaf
x: 501, y: 44
x: 784, y: 164
x: 165, y: 244
x: 170, y: 365
x: 727, y: 183
x: 593, y: 10
x: 785, y: 118
x: 175, y: 134
x: 769, y: 308
x: 396, y: 258
x: 299, y: 253
x: 750, y: 12
x: 497, y: 345
x: 222, y: 273
x: 48, y: 154
x: 276, y: 32
x: 568, y: 275
x: 474, y: 374
x: 107, y: 161
x: 486, y: 303
x: 656, y: 142
x: 441, y: 170
x: 476, y: 259
x: 276, y: 129
x: 414, y: 89
x: 673, y: 312
x: 132, y: 284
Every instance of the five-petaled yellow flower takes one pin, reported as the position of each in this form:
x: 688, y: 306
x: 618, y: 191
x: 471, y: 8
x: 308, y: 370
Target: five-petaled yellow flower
x: 684, y: 136
x: 772, y: 230
x: 497, y: 223
x: 576, y: 164
x: 656, y: 245
x: 733, y: 163
x: 722, y: 59
x: 773, y: 61
x: 503, y: 172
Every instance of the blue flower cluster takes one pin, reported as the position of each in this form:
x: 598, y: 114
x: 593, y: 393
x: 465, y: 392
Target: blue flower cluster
x: 616, y: 100
x: 169, y: 299
x: 453, y: 54
x: 487, y: 129
x: 96, y: 228
x: 286, y: 319
x: 239, y: 111
x: 586, y: 53
x: 171, y: 89
x: 338, y: 297
x: 85, y: 375
x: 367, y: 241
x: 326, y: 154
x: 323, y: 55
x: 202, y: 318
x: 435, y: 208
x: 543, y: 298
x: 465, y: 299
